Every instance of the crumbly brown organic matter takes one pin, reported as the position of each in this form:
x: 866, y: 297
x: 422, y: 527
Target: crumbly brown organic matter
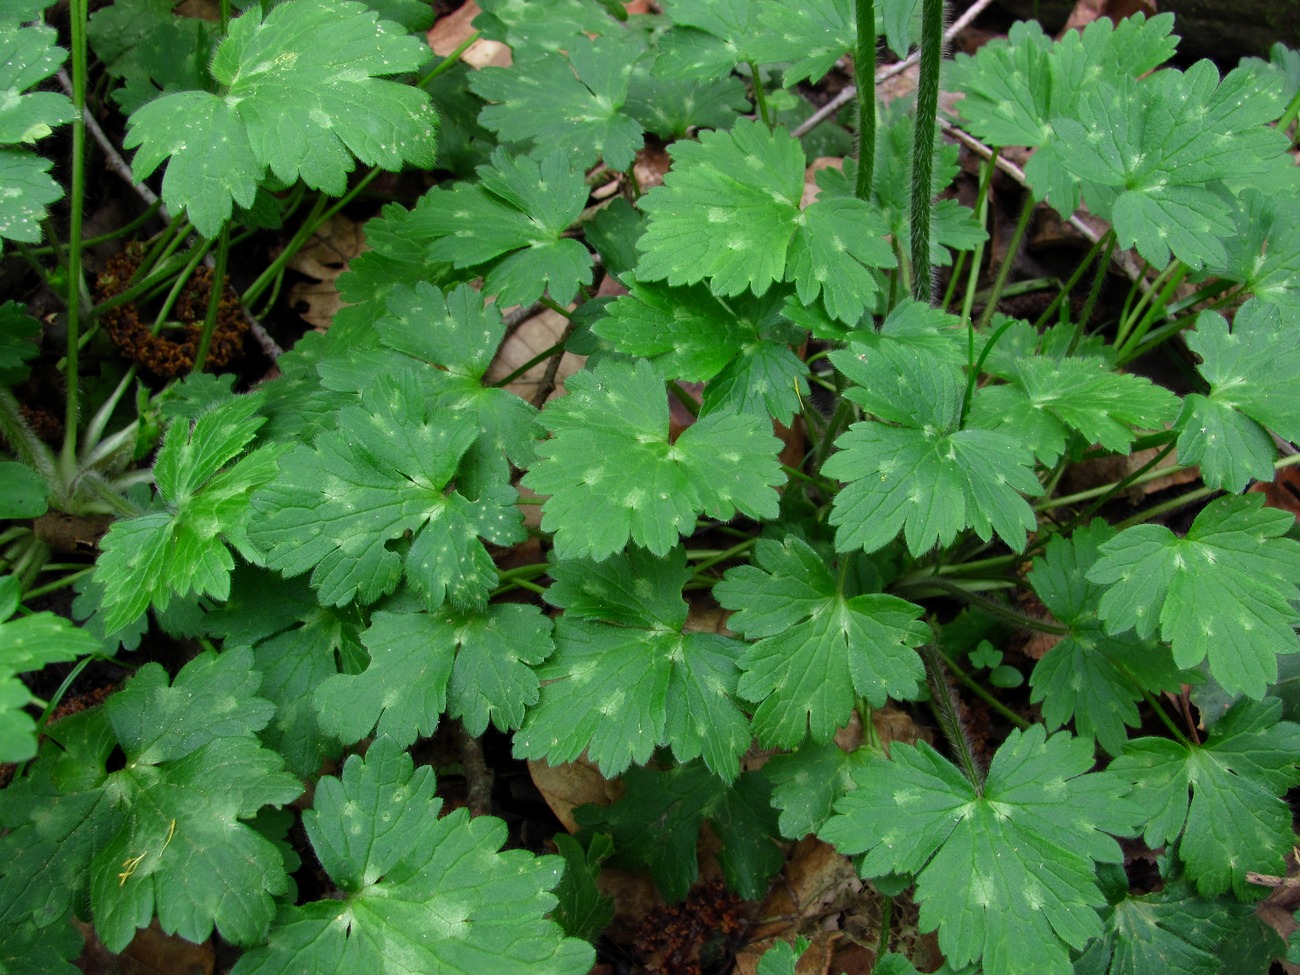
x: 171, y: 352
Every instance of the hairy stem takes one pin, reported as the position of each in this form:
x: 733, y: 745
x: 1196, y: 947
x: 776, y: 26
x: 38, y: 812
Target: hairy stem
x: 77, y: 15
x: 947, y: 710
x: 864, y: 73
x: 927, y: 110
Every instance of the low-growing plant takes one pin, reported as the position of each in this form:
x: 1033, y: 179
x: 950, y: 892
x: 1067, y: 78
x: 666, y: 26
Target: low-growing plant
x: 868, y: 471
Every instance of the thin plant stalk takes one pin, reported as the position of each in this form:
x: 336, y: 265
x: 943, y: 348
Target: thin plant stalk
x: 864, y: 73
x: 215, y: 293
x: 927, y: 111
x: 77, y: 16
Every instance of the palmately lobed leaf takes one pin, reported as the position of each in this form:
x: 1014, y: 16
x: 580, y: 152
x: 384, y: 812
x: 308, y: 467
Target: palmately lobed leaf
x: 385, y: 471
x: 304, y: 95
x: 1251, y: 371
x: 422, y: 893
x: 1226, y: 591
x: 613, y: 477
x: 746, y: 185
x: 819, y: 650
x: 1221, y: 800
x: 979, y: 856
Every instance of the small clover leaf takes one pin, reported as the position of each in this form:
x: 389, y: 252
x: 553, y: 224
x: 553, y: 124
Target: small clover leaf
x: 420, y: 893
x: 979, y: 857
x: 1233, y: 821
x: 1226, y: 591
x: 613, y: 476
x: 818, y: 650
x: 302, y: 97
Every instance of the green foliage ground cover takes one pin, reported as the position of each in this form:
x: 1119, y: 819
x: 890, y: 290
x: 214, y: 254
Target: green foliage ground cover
x: 328, y: 543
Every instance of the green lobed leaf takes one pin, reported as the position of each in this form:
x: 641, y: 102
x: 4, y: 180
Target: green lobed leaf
x: 808, y: 781
x: 477, y: 667
x: 165, y: 834
x: 1250, y: 371
x: 1091, y: 676
x: 673, y: 107
x: 302, y: 97
x: 1233, y: 821
x: 612, y: 475
x: 1171, y: 930
x: 572, y: 101
x: 627, y: 677
x: 979, y: 857
x: 1225, y: 591
x: 297, y: 644
x: 420, y: 893
x: 926, y: 475
x: 1263, y: 252
x: 583, y: 910
x: 512, y: 222
x: 1047, y: 399
x: 386, y: 471
x: 746, y: 184
x: 27, y: 644
x: 182, y: 550
x: 739, y: 345
x: 656, y: 824
x: 818, y: 649
x: 1148, y: 153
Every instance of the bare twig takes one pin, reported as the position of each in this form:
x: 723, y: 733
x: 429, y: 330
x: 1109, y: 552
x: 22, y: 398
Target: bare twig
x: 478, y: 777
x: 1264, y: 880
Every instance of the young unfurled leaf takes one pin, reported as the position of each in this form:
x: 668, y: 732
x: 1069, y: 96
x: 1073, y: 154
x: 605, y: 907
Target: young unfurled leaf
x: 338, y: 505
x: 302, y: 97
x: 818, y: 650
x: 745, y: 185
x: 1251, y: 372
x: 27, y: 644
x: 738, y: 345
x: 626, y: 678
x: 1225, y: 591
x: 571, y: 101
x: 979, y: 857
x: 1234, y: 821
x: 420, y: 893
x: 656, y: 824
x: 925, y: 475
x: 612, y: 475
x: 511, y: 223
x: 1092, y: 676
x: 1047, y: 399
x: 165, y: 833
x: 182, y: 549
x: 477, y: 667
